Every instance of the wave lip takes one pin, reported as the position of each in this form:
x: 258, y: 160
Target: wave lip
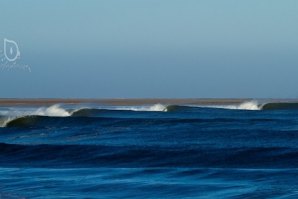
x: 280, y: 106
x: 53, y: 111
x: 155, y: 108
x: 25, y: 121
x: 255, y: 105
x: 248, y: 105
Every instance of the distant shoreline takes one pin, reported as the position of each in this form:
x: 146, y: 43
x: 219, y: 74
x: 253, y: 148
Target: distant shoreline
x: 133, y: 101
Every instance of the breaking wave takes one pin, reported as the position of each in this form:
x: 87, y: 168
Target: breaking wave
x: 248, y: 105
x: 52, y: 111
x: 255, y: 106
x: 27, y: 117
x: 56, y: 110
x: 280, y: 106
x: 155, y: 107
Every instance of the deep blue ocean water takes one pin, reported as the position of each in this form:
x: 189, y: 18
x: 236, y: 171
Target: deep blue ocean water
x: 184, y: 152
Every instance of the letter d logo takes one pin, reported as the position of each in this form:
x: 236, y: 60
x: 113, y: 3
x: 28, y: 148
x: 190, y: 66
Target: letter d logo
x: 11, y: 50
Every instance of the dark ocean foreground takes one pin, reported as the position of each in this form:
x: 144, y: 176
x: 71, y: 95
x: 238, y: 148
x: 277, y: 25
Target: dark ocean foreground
x: 233, y: 151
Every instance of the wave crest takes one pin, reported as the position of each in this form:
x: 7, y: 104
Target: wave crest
x: 280, y: 106
x: 24, y: 121
x: 155, y: 107
x: 52, y: 111
x: 248, y: 105
x: 57, y: 111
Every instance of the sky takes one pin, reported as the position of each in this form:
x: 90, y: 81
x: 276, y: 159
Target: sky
x: 150, y: 49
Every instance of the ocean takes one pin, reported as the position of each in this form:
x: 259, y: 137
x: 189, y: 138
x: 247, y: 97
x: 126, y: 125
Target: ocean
x: 243, y: 150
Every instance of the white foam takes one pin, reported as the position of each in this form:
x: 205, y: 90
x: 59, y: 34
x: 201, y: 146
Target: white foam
x: 251, y: 105
x: 4, y: 121
x: 155, y: 107
x: 248, y: 105
x: 53, y: 111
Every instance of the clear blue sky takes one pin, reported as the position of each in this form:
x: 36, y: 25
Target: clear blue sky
x: 152, y: 48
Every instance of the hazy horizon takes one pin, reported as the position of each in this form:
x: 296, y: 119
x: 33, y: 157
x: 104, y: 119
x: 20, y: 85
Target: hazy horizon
x: 151, y: 49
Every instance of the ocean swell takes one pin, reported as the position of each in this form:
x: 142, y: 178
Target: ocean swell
x: 19, y: 116
x: 58, y: 111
